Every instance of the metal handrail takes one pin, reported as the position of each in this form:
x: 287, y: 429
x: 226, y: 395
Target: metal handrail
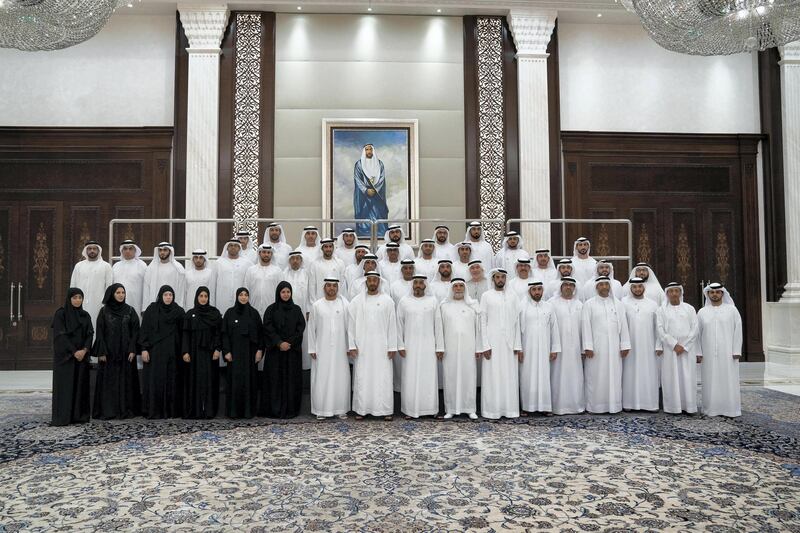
x: 565, y: 221
x: 417, y: 221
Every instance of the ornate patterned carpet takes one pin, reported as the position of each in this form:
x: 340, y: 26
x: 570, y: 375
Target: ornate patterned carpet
x: 633, y: 471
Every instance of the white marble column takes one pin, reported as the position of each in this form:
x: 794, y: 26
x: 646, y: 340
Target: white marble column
x: 532, y: 31
x: 204, y: 27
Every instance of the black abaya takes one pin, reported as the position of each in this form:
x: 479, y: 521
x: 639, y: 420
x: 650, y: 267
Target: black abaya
x: 282, y: 382
x: 72, y: 331
x: 161, y: 337
x: 116, y: 392
x: 242, y: 338
x: 202, y: 335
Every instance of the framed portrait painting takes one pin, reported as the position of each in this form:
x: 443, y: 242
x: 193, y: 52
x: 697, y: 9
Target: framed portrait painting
x: 370, y: 170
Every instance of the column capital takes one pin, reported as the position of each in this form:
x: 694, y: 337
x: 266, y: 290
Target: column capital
x: 531, y: 30
x: 790, y: 53
x: 204, y: 26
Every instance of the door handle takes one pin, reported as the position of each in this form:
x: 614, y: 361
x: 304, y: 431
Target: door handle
x: 11, y: 305
x: 19, y: 301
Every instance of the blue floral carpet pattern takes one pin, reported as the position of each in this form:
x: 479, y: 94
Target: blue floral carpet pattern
x: 633, y: 471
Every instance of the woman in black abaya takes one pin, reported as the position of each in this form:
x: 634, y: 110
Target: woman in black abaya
x: 202, y: 346
x: 241, y: 344
x: 116, y: 392
x: 282, y: 389
x: 72, y: 339
x: 160, y: 339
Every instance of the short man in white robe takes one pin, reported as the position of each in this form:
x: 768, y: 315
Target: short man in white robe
x: 508, y: 254
x: 604, y: 332
x: 541, y: 344
x: 544, y: 270
x: 500, y: 368
x: 719, y: 348
x: 130, y: 272
x: 640, y: 377
x: 199, y: 273
x: 440, y: 286
x: 444, y: 248
x: 231, y: 268
x: 481, y: 249
x: 359, y: 284
x: 389, y: 266
x: 461, y: 263
x: 262, y: 278
x: 248, y: 247
x: 93, y: 276
x: 566, y: 372
x: 351, y: 272
x: 164, y: 269
x: 678, y: 328
x: 327, y: 265
x: 553, y: 288
x: 459, y: 344
x: 519, y: 284
x: 404, y: 286
x: 275, y: 237
x: 416, y: 345
x: 372, y: 340
x: 477, y: 283
x: 426, y: 263
x: 583, y: 265
x: 346, y: 247
x: 327, y: 346
x: 395, y: 234
x: 297, y: 277
x: 603, y: 268
x: 652, y: 288
x: 309, y: 245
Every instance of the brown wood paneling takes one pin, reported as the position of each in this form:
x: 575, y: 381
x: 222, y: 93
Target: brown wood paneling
x: 181, y: 104
x: 511, y: 122
x: 266, y: 182
x: 227, y: 83
x: 39, y: 249
x: 471, y: 132
x: 554, y: 125
x: 693, y: 196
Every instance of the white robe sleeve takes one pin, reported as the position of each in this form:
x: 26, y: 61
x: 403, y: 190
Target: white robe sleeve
x: 438, y: 330
x: 737, y: 333
x: 586, y: 328
x: 401, y: 320
x: 73, y: 280
x: 624, y: 333
x: 699, y: 345
x: 109, y: 277
x: 517, y: 333
x: 181, y: 289
x: 484, y: 324
x: 351, y: 326
x: 555, y: 337
x: 311, y: 330
x: 656, y: 333
x: 694, y: 331
x: 391, y: 330
x: 661, y: 324
x: 480, y: 341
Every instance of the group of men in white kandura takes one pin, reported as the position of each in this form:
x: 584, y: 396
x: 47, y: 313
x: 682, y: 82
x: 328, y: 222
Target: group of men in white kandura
x: 534, y: 337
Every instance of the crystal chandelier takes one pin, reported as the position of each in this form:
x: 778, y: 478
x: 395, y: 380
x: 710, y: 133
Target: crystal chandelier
x: 53, y: 24
x: 719, y: 27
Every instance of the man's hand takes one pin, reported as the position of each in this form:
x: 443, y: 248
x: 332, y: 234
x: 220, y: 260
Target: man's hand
x: 391, y: 354
x: 145, y: 356
x: 352, y: 353
x: 737, y: 356
x: 679, y: 349
x: 659, y: 352
x: 487, y: 354
x: 588, y: 353
x: 439, y: 355
x: 131, y: 357
x: 553, y: 356
x: 371, y: 192
x: 699, y: 358
x: 624, y: 353
x: 217, y: 355
x: 312, y: 355
x: 259, y: 355
x: 80, y: 354
x: 478, y: 355
x: 102, y: 358
x: 229, y: 357
x: 402, y: 353
x: 284, y: 346
x: 186, y: 357
x: 520, y: 355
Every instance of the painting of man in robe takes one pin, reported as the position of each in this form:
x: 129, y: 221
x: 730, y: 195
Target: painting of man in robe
x: 371, y: 176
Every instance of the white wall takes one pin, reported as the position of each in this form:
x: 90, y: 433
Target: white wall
x: 124, y: 76
x: 352, y: 66
x: 615, y: 78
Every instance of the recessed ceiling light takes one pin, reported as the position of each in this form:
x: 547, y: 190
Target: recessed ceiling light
x: 599, y: 15
x: 439, y: 10
x: 369, y: 9
x: 299, y: 8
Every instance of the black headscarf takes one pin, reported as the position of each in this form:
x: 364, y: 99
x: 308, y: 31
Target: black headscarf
x: 247, y: 319
x: 207, y: 316
x: 74, y: 317
x: 288, y: 304
x: 283, y: 314
x: 239, y: 306
x: 166, y: 316
x: 117, y: 309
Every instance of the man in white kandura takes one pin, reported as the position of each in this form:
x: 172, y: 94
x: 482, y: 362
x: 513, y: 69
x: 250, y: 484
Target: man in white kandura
x: 566, y: 372
x: 248, y: 248
x: 544, y: 270
x: 508, y: 254
x: 231, y: 268
x: 351, y: 272
x: 719, y: 349
x: 583, y: 265
x: 372, y: 339
x: 297, y: 277
x: 426, y: 263
x: 604, y: 332
x: 440, y: 286
x: 327, y: 265
x: 603, y: 268
x: 309, y: 245
x: 500, y: 369
x: 389, y: 266
x: 640, y: 367
x: 481, y: 249
x: 199, y: 273
x: 262, y: 278
x: 346, y: 247
x: 477, y: 283
x: 359, y: 285
x: 327, y: 346
x: 275, y: 237
x: 463, y: 257
x: 164, y: 269
x: 519, y: 284
x: 652, y: 288
x: 541, y: 344
x: 553, y: 288
x: 459, y: 343
x: 92, y: 275
x: 395, y: 234
x: 129, y: 271
x: 677, y: 327
x: 444, y: 248
x: 416, y: 343
x: 404, y: 286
